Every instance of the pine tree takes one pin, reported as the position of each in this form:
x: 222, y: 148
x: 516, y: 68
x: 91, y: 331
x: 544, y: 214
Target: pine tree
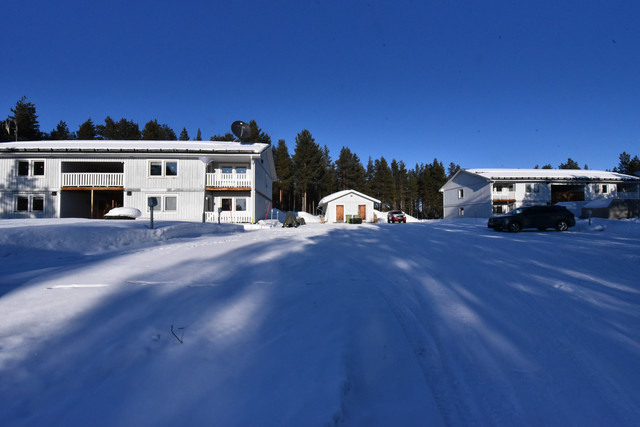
x: 307, y: 167
x: 61, y: 132
x: 199, y: 135
x: 153, y: 131
x: 349, y: 171
x: 283, y: 188
x: 627, y: 165
x: 226, y: 137
x: 184, y: 136
x: 26, y: 120
x: 124, y: 129
x: 571, y: 164
x: 87, y: 131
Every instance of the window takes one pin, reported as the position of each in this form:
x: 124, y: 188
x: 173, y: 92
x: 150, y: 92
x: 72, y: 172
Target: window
x: 604, y: 188
x: 241, y: 204
x: 227, y: 170
x: 226, y: 204
x: 164, y: 203
x: 22, y: 204
x: 460, y: 193
x: 535, y: 188
x: 241, y: 170
x: 30, y: 203
x: 155, y: 168
x: 163, y: 168
x: 171, y: 168
x: 37, y: 204
x: 461, y: 211
x: 23, y: 168
x: 38, y: 168
x: 35, y: 168
x: 171, y: 203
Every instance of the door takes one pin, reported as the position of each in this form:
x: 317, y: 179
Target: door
x: 362, y: 212
x: 339, y: 212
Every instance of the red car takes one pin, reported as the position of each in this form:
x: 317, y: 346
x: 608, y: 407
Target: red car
x: 396, y: 216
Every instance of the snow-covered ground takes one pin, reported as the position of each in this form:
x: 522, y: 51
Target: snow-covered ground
x: 107, y: 323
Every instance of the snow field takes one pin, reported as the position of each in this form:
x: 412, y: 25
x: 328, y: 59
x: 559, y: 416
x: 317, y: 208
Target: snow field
x: 425, y: 323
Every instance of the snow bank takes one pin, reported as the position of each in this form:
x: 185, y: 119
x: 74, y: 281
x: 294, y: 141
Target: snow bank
x: 95, y: 236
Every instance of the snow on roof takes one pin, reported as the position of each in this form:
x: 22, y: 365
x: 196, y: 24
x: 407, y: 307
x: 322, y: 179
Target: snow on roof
x: 135, y: 146
x: 565, y: 174
x: 337, y: 195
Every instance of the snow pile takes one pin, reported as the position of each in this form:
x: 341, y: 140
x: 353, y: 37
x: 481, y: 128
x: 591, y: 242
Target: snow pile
x: 123, y: 212
x: 95, y: 236
x: 428, y: 323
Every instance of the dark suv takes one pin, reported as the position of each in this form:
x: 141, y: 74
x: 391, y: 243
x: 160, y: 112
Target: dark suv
x: 396, y: 216
x: 540, y: 217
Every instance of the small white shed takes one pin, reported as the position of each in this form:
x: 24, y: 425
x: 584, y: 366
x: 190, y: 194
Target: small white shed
x: 340, y: 206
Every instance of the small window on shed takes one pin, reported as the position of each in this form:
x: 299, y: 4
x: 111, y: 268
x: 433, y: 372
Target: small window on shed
x: 461, y: 211
x: 460, y: 193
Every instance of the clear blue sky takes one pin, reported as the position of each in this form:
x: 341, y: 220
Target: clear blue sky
x: 480, y: 83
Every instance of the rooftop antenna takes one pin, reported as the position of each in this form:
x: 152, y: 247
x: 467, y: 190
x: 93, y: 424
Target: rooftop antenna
x: 241, y: 130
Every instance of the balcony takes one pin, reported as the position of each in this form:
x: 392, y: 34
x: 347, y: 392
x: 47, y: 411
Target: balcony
x: 92, y: 179
x: 227, y: 217
x: 504, y: 196
x: 228, y: 180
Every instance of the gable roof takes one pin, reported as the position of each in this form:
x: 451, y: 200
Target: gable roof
x: 551, y: 174
x: 139, y: 146
x: 331, y: 197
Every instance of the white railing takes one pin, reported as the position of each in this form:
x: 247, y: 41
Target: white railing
x: 229, y: 217
x: 228, y: 180
x: 92, y: 179
x: 511, y: 195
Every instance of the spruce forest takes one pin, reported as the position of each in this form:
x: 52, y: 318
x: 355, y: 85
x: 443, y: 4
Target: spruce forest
x: 305, y: 175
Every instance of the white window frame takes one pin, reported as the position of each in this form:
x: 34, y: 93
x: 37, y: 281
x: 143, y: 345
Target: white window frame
x: 30, y: 198
x: 162, y: 202
x: 163, y: 171
x: 460, y: 211
x: 461, y: 193
x: 30, y: 167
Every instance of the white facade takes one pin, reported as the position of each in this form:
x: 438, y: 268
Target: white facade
x: 481, y: 193
x: 222, y: 181
x: 340, y: 206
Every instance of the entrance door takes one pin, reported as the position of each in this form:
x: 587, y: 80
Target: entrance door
x: 339, y: 212
x: 362, y: 212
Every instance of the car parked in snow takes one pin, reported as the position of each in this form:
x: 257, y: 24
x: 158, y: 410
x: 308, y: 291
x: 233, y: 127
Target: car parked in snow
x: 396, y: 216
x: 540, y: 217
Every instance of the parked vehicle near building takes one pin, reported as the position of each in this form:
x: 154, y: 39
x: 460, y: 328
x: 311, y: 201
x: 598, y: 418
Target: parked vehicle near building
x: 540, y: 217
x: 396, y: 216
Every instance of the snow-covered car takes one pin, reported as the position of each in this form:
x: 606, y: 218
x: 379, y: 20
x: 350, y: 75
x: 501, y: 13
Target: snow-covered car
x: 396, y: 216
x: 540, y: 217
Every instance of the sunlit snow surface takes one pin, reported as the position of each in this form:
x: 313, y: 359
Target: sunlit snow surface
x: 107, y: 323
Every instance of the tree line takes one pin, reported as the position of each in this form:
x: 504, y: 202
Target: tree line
x: 304, y: 176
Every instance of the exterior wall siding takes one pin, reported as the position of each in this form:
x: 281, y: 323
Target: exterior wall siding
x: 480, y: 195
x: 181, y: 196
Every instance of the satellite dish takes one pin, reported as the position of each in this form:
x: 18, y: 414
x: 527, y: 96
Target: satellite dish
x: 240, y: 129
